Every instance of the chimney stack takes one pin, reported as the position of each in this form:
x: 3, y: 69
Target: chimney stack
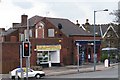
x: 2, y: 29
x: 87, y: 22
x: 24, y: 20
x: 77, y: 23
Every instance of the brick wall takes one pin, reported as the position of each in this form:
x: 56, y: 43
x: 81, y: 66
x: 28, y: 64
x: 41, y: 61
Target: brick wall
x: 15, y: 34
x: 10, y: 56
x: 65, y: 52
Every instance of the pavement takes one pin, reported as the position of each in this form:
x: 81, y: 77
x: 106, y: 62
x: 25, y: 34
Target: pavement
x: 71, y: 69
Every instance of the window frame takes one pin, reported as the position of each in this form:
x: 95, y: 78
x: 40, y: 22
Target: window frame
x: 51, y: 32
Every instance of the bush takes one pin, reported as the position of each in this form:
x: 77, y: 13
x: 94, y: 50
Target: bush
x: 103, y: 56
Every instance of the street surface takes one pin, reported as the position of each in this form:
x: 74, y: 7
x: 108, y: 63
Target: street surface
x: 109, y: 73
x: 86, y: 73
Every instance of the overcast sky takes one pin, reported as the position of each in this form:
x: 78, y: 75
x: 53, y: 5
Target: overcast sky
x: 11, y: 10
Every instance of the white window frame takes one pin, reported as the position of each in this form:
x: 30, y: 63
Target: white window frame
x: 51, y: 32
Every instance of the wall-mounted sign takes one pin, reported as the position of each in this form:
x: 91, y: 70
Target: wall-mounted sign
x: 48, y: 47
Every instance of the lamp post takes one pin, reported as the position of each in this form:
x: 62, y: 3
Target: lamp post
x: 95, y: 39
x: 77, y: 56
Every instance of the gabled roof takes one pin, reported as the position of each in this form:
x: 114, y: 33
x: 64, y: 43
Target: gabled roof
x: 91, y: 29
x: 101, y: 30
x: 68, y: 27
x: 33, y: 20
x: 110, y: 27
x: 104, y: 27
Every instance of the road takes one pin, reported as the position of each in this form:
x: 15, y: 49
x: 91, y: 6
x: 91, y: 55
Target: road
x: 108, y: 74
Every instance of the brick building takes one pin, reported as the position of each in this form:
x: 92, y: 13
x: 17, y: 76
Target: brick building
x: 53, y: 42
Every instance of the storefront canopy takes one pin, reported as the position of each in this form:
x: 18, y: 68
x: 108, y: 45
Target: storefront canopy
x: 107, y: 49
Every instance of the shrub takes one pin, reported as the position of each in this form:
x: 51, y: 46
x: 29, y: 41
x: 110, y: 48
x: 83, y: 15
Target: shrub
x: 104, y: 56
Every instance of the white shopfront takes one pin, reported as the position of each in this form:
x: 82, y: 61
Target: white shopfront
x: 48, y: 54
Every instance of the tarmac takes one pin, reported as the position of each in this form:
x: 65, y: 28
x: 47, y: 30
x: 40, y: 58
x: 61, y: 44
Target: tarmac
x: 71, y: 69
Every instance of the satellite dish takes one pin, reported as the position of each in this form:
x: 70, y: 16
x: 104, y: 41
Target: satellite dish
x: 59, y: 26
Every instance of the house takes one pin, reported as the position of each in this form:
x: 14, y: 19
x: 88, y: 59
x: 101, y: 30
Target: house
x: 53, y: 43
x: 109, y: 37
x: 109, y: 33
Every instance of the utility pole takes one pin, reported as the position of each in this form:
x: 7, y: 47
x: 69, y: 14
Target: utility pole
x: 27, y: 58
x: 95, y: 36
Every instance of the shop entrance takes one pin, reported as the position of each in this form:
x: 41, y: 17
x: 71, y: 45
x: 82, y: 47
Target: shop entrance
x: 48, y: 57
x: 89, y: 54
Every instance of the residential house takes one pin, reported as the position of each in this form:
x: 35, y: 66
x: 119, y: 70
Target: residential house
x: 109, y: 35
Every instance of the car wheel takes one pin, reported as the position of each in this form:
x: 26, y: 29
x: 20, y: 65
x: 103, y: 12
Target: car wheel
x: 13, y: 77
x: 18, y: 78
x: 38, y: 76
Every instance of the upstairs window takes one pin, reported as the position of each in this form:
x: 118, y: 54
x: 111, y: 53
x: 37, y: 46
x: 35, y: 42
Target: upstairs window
x: 51, y: 33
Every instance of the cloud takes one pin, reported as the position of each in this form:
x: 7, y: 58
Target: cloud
x: 11, y: 10
x: 77, y: 0
x: 23, y: 4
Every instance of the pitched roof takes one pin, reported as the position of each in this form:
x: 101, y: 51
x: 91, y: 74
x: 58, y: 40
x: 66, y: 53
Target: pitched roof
x: 33, y: 20
x: 110, y: 27
x: 102, y: 29
x: 68, y: 27
x: 10, y: 30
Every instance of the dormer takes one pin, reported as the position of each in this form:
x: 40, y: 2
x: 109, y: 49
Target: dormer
x: 39, y: 30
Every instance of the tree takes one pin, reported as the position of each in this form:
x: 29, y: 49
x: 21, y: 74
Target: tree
x: 117, y: 16
x: 116, y: 13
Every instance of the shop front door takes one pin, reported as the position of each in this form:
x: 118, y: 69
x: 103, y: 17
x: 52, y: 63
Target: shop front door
x: 90, y: 55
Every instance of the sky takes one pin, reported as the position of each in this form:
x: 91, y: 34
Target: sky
x: 11, y: 10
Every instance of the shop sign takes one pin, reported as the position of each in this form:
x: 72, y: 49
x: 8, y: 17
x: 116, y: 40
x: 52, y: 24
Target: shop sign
x: 48, y: 47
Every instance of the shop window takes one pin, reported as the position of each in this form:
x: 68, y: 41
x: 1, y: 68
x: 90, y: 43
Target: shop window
x: 42, y: 57
x: 51, y: 32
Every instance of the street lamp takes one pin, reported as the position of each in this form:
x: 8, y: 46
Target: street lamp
x: 77, y: 56
x: 95, y: 39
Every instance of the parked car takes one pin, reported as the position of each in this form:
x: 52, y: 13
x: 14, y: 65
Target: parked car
x: 31, y: 73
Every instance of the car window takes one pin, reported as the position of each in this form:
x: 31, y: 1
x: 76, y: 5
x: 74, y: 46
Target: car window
x: 30, y: 70
x: 24, y: 70
x: 19, y: 70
